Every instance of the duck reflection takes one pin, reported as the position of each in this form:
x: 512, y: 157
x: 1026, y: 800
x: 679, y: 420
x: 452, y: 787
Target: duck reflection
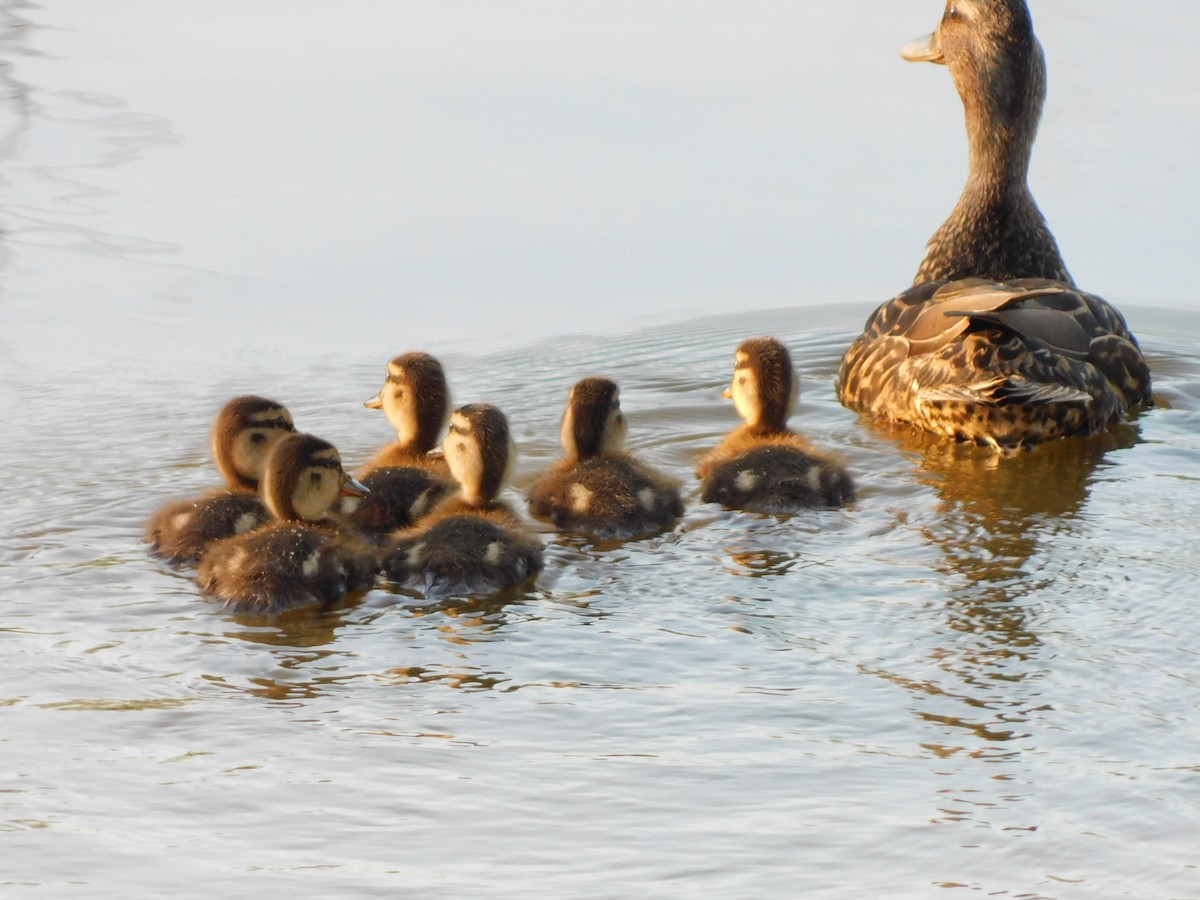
x: 993, y: 516
x: 761, y: 563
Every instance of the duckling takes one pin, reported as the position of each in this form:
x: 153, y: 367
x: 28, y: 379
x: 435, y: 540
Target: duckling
x: 763, y: 466
x: 245, y: 431
x: 299, y: 559
x: 471, y: 542
x: 596, y: 488
x: 994, y: 343
x: 404, y: 479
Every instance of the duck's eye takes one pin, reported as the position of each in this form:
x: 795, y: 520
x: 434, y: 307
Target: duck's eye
x: 257, y: 437
x: 952, y: 12
x: 741, y: 379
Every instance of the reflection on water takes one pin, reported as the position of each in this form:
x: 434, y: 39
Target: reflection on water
x: 971, y: 644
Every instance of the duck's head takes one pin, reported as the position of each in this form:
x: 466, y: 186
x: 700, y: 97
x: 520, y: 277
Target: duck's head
x: 246, y: 430
x: 764, y: 387
x: 415, y: 399
x: 304, y: 477
x: 479, y: 451
x: 593, y: 423
x: 995, y: 60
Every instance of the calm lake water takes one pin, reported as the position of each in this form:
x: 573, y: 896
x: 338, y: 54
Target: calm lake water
x: 981, y: 679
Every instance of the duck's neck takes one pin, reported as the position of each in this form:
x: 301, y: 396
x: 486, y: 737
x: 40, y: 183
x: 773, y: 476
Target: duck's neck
x: 997, y: 231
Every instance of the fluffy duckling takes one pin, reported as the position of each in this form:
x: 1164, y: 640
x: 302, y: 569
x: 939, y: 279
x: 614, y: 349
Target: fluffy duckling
x: 299, y: 559
x: 472, y: 542
x: 405, y: 481
x: 762, y: 466
x: 245, y: 431
x: 994, y: 343
x: 596, y: 488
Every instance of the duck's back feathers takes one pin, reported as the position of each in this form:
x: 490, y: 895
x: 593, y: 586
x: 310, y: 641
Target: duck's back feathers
x: 608, y: 496
x: 284, y: 566
x: 779, y: 473
x: 1005, y: 364
x: 398, y: 497
x: 466, y: 551
x: 181, y: 532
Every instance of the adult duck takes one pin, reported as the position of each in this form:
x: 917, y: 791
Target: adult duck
x: 994, y: 343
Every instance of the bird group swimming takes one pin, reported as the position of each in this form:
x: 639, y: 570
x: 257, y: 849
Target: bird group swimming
x: 992, y: 344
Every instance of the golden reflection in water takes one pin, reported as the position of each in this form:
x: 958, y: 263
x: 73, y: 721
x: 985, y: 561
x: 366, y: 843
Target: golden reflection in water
x: 992, y: 515
x: 761, y: 563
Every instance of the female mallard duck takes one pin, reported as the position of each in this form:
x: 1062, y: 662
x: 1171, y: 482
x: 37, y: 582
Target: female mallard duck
x: 763, y: 466
x: 246, y: 430
x: 404, y: 480
x: 597, y: 488
x: 994, y: 343
x: 299, y: 559
x: 471, y: 542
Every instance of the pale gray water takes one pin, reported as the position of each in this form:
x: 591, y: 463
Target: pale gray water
x: 980, y: 678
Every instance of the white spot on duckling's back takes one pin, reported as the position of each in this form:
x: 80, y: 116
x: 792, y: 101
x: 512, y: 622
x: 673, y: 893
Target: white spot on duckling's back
x: 247, y: 521
x: 493, y: 552
x: 814, y: 477
x: 310, y: 566
x: 179, y: 522
x: 746, y: 480
x: 580, y: 498
x: 648, y: 498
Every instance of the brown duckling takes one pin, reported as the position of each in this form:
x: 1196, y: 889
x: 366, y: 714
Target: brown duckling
x: 300, y: 559
x: 994, y: 343
x: 404, y: 478
x: 597, y: 488
x: 763, y: 466
x: 245, y: 431
x: 470, y: 543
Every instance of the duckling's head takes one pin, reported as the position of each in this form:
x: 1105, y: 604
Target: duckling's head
x: 593, y: 423
x: 246, y: 430
x: 764, y: 387
x: 415, y: 399
x: 304, y: 476
x: 995, y: 60
x: 479, y: 451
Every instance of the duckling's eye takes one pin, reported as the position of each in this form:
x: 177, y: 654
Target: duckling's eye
x: 952, y: 12
x: 741, y: 379
x: 257, y: 437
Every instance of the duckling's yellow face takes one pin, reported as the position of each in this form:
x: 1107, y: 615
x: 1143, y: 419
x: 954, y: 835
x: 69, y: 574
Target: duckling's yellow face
x: 464, y: 455
x: 469, y: 460
x: 320, y: 484
x: 744, y: 389
x: 253, y: 443
x: 398, y: 400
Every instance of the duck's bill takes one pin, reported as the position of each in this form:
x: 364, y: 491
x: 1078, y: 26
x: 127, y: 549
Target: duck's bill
x: 375, y: 402
x: 727, y: 393
x: 926, y: 49
x: 352, y: 487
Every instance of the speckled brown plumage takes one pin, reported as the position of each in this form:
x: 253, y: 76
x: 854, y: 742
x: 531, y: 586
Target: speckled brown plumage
x: 300, y: 559
x: 763, y: 466
x: 596, y: 488
x: 471, y: 543
x: 244, y: 431
x: 993, y: 343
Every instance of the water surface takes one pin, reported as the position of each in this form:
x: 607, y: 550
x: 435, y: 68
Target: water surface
x: 981, y: 677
